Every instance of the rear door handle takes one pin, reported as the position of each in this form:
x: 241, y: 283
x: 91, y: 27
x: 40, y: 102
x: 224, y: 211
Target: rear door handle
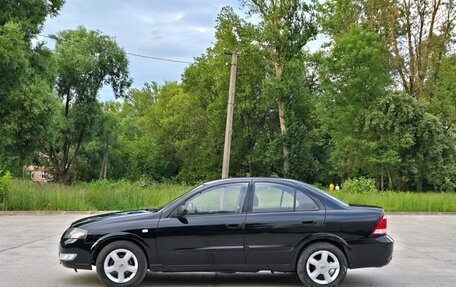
x: 234, y: 226
x: 309, y: 222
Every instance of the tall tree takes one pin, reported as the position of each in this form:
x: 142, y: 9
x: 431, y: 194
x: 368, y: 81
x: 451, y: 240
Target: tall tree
x: 255, y: 132
x: 30, y: 13
x: 444, y: 103
x: 14, y: 53
x: 410, y: 145
x: 99, y: 157
x: 419, y: 33
x: 354, y: 75
x: 87, y: 60
x: 375, y: 131
x: 285, y: 28
x: 27, y: 73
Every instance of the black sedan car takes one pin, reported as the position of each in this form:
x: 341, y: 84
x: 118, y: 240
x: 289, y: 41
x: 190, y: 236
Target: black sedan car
x: 233, y: 225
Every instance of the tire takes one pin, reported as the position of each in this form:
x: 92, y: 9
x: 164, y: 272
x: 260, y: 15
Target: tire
x: 121, y: 264
x: 316, y: 271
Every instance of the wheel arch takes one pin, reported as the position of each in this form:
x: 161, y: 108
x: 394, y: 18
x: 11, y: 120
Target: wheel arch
x: 323, y: 237
x: 103, y: 241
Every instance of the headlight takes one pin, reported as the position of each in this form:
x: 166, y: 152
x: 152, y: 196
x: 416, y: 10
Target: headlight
x: 77, y: 233
x: 73, y: 234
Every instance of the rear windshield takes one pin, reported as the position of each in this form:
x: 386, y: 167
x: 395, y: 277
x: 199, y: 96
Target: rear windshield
x: 327, y: 195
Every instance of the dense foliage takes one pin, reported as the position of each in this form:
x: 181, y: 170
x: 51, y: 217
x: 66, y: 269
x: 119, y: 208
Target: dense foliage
x: 359, y: 185
x: 5, y: 182
x: 378, y: 101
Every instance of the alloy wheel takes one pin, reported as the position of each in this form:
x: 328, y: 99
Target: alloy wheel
x: 120, y: 266
x: 323, y: 267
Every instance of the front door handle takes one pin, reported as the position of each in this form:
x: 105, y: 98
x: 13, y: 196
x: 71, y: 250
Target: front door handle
x: 309, y: 222
x: 234, y: 226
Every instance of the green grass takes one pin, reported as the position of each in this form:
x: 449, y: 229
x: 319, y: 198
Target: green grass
x: 105, y: 195
x: 403, y: 201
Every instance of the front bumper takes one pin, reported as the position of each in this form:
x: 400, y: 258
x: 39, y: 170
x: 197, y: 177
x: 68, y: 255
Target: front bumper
x: 83, y: 258
x: 371, y: 252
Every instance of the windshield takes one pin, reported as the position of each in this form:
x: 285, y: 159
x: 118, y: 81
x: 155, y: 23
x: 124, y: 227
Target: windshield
x: 174, y: 200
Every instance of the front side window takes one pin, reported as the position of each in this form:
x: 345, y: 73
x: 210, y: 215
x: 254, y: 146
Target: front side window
x: 271, y: 197
x: 226, y: 198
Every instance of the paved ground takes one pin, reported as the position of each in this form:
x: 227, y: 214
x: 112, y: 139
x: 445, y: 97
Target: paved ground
x: 425, y: 255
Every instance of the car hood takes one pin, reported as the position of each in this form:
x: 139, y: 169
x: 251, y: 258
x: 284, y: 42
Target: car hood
x: 130, y: 215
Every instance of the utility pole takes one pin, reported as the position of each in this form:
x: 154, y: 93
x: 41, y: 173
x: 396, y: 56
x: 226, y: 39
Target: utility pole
x: 229, y: 117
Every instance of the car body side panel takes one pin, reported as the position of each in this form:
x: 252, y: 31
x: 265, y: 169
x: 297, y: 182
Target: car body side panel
x: 140, y: 229
x: 272, y: 238
x: 146, y: 242
x: 352, y: 223
x: 355, y: 225
x: 215, y: 239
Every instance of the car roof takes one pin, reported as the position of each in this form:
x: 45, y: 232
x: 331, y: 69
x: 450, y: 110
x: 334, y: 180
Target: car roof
x: 238, y: 179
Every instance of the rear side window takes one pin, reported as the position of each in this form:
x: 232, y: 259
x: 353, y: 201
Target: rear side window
x: 272, y: 197
x: 303, y: 202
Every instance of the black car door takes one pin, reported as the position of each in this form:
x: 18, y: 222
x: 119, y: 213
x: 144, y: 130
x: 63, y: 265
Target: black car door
x: 210, y: 234
x: 280, y: 217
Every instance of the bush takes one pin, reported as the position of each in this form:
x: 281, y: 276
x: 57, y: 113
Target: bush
x: 5, y: 181
x: 359, y: 185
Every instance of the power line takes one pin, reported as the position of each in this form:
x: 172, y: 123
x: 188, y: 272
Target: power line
x: 139, y: 55
x: 157, y: 58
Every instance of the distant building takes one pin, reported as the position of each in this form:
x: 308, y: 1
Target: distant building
x: 38, y: 173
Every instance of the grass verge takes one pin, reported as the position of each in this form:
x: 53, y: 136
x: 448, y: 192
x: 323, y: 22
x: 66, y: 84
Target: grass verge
x: 102, y: 195
x: 123, y: 195
x: 403, y: 201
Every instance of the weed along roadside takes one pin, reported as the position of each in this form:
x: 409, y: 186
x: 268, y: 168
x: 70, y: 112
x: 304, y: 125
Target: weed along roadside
x: 393, y: 201
x: 123, y: 195
x: 100, y: 195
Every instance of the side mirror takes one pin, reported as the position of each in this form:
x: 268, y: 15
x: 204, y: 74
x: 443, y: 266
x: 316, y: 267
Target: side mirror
x: 181, y: 211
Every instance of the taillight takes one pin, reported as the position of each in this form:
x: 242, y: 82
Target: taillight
x: 380, y: 229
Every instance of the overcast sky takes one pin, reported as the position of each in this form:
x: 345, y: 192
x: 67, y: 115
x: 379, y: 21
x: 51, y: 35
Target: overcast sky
x: 175, y: 29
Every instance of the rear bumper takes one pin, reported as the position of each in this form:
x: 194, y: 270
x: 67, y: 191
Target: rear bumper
x: 371, y: 252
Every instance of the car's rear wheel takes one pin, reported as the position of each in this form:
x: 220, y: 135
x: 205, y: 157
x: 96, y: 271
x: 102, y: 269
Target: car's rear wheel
x: 121, y: 264
x: 322, y: 265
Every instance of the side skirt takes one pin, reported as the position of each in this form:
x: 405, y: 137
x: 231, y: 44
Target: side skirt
x: 222, y: 268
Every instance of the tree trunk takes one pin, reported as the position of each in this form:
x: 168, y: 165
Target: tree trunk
x: 390, y: 179
x: 21, y: 165
x: 283, y: 129
x: 283, y: 124
x: 69, y: 168
x: 419, y: 183
x: 104, y: 162
x: 348, y: 169
x: 250, y: 166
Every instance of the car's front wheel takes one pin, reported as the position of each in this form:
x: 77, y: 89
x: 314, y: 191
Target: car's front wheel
x: 121, y: 264
x: 322, y: 265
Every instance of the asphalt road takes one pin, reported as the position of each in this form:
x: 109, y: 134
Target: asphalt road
x: 425, y: 255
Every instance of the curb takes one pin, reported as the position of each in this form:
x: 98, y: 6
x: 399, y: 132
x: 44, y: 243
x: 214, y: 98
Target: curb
x: 49, y: 212
x: 420, y: 213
